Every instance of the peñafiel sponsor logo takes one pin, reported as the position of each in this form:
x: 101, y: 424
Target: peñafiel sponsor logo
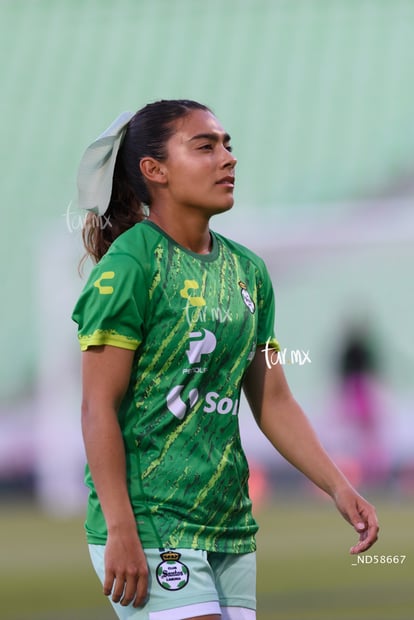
x: 202, y: 342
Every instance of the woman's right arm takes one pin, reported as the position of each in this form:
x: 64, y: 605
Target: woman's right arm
x: 106, y: 372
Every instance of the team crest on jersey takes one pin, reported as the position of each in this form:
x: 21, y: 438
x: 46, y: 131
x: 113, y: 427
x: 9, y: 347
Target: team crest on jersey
x: 171, y: 573
x: 246, y: 297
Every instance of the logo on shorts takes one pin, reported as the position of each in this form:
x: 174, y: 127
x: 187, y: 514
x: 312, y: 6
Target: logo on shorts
x: 171, y: 573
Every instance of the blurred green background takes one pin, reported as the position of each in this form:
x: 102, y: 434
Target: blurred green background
x: 318, y: 97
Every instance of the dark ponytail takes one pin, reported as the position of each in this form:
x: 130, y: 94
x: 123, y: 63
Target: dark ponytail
x: 146, y: 136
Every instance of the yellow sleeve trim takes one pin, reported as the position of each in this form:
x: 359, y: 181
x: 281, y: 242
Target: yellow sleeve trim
x: 101, y: 336
x: 271, y: 343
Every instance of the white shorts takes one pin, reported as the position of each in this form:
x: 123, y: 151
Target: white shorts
x: 196, y: 583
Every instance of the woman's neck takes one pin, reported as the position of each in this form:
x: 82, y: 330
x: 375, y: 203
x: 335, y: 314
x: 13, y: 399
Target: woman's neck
x: 191, y: 232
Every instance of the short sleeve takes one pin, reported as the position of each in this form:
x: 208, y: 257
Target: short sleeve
x: 266, y: 310
x: 111, y: 307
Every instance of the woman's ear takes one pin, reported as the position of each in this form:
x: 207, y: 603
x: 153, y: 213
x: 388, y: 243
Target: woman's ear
x: 152, y: 170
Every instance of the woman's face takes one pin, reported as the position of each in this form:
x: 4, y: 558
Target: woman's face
x: 200, y: 166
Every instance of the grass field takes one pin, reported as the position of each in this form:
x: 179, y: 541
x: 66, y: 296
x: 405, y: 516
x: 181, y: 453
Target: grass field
x: 304, y: 570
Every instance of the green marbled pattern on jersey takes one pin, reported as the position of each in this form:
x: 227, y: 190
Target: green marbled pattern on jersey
x: 200, y: 318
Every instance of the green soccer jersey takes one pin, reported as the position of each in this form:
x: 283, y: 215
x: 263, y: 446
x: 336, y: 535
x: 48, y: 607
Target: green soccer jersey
x: 194, y: 322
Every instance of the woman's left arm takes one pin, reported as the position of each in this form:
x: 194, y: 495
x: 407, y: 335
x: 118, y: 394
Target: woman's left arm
x: 286, y: 426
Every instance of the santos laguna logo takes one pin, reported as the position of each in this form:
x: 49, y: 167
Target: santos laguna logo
x: 213, y: 403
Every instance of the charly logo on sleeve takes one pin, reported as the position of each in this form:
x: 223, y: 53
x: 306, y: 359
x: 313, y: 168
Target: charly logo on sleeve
x: 171, y: 573
x: 193, y: 300
x: 104, y: 289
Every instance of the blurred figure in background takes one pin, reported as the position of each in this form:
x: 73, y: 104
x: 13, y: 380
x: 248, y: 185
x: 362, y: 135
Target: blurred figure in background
x: 361, y: 402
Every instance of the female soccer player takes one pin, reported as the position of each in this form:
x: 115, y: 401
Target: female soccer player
x: 173, y: 323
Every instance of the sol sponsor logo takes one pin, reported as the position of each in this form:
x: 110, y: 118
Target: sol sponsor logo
x: 213, y: 403
x: 176, y: 404
x: 220, y: 405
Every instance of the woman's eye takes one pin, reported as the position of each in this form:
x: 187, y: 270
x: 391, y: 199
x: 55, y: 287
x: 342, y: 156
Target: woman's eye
x: 229, y: 148
x: 206, y: 147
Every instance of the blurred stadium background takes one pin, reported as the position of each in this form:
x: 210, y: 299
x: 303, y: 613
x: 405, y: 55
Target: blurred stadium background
x: 318, y: 97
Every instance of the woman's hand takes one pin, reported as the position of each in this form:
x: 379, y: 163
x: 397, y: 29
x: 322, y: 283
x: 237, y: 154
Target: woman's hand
x: 126, y: 569
x: 359, y: 513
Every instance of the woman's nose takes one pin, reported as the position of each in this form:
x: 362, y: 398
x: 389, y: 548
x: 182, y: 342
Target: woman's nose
x: 230, y: 160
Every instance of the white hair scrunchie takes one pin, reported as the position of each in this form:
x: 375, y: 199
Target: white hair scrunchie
x: 96, y: 169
